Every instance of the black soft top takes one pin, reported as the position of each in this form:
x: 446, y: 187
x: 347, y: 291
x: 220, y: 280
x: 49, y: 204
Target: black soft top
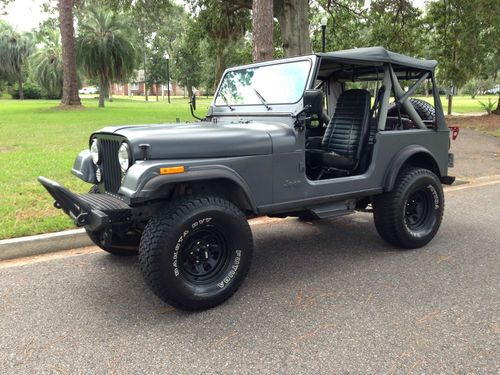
x: 377, y: 56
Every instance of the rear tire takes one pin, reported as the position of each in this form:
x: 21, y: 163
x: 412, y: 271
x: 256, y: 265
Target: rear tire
x: 409, y: 216
x: 195, y: 253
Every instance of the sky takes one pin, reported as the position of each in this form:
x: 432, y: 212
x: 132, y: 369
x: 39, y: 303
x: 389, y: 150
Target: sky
x: 25, y: 15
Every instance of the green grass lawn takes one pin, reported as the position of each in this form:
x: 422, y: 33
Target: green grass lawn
x: 464, y: 104
x: 37, y: 138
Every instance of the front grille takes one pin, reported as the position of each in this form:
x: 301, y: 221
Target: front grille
x: 110, y: 167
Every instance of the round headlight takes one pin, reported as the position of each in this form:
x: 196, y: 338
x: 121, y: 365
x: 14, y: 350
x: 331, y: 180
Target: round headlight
x: 94, y: 151
x: 123, y: 157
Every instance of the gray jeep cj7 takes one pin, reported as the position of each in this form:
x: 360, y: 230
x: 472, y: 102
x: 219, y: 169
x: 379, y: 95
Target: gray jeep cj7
x: 312, y: 137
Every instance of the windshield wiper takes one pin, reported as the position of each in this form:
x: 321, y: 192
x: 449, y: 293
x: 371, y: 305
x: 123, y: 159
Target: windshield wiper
x: 226, y: 101
x: 261, y: 98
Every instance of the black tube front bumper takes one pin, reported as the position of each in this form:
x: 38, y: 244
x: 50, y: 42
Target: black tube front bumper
x: 92, y: 211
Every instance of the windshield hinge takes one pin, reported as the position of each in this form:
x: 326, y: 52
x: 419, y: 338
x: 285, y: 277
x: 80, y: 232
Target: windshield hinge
x: 301, y: 117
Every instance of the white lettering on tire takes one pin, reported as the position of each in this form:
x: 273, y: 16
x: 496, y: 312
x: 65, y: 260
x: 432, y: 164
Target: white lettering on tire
x: 435, y: 196
x: 201, y: 222
x: 176, y: 252
x: 232, y: 271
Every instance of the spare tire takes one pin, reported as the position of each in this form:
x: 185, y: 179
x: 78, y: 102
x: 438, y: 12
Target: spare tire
x: 423, y: 108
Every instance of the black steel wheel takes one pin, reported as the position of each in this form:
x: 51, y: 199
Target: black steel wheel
x: 410, y: 215
x: 195, y: 253
x: 418, y: 213
x: 203, y: 255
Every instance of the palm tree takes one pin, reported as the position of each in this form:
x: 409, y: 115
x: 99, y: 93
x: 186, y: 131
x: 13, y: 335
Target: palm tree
x: 47, y: 65
x: 105, y: 49
x: 70, y: 95
x: 15, y: 48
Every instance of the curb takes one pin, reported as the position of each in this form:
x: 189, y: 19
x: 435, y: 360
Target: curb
x: 43, y: 243
x: 22, y: 247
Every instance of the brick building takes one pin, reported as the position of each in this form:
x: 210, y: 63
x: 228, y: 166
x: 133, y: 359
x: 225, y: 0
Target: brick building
x: 137, y: 88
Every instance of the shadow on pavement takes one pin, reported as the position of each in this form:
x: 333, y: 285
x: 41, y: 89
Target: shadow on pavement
x: 286, y: 253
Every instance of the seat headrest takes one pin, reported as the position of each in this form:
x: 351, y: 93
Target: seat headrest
x: 360, y: 94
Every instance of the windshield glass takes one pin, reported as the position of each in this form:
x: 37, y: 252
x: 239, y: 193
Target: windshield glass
x: 271, y: 84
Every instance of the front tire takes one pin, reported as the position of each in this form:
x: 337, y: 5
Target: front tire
x: 409, y: 216
x: 196, y: 252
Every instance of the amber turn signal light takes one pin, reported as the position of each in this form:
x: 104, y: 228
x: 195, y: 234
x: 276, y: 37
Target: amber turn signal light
x: 172, y: 170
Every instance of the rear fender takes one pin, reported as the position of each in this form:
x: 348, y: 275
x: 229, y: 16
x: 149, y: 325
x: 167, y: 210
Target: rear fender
x: 414, y: 155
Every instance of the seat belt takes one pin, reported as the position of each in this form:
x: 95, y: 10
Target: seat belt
x: 371, y: 134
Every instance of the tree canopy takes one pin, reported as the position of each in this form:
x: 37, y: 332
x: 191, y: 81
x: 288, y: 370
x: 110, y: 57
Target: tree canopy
x: 204, y: 37
x: 105, y: 48
x: 15, y: 49
x: 46, y: 63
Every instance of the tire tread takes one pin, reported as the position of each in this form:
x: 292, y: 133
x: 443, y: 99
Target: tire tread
x: 386, y: 207
x: 158, y: 227
x: 424, y: 109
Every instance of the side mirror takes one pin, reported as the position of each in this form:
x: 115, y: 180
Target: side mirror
x: 192, y: 107
x: 193, y: 102
x: 313, y: 101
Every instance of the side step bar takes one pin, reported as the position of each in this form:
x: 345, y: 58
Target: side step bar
x: 333, y: 209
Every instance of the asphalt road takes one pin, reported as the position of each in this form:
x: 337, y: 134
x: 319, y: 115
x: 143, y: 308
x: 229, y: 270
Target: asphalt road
x: 328, y: 297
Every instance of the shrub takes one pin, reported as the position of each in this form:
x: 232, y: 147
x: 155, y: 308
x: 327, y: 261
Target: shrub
x: 31, y: 91
x: 3, y: 86
x: 488, y: 107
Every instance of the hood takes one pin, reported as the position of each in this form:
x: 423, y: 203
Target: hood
x: 202, y: 139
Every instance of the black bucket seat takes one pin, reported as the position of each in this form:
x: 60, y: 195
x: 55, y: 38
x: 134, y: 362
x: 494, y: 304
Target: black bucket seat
x: 342, y: 142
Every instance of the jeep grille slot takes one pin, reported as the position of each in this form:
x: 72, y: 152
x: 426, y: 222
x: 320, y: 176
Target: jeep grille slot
x: 111, y: 172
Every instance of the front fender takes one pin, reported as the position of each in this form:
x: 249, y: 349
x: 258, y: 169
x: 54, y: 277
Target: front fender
x: 144, y: 182
x: 84, y: 167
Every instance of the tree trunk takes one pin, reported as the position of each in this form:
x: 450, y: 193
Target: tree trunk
x: 219, y: 65
x: 102, y: 92
x: 21, y: 89
x: 262, y: 22
x: 190, y: 91
x: 144, y: 61
x: 293, y: 16
x: 70, y: 79
x: 110, y: 92
x: 450, y: 98
x: 497, y: 111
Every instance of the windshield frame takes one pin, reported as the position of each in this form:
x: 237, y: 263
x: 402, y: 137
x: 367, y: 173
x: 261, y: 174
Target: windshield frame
x: 312, y: 69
